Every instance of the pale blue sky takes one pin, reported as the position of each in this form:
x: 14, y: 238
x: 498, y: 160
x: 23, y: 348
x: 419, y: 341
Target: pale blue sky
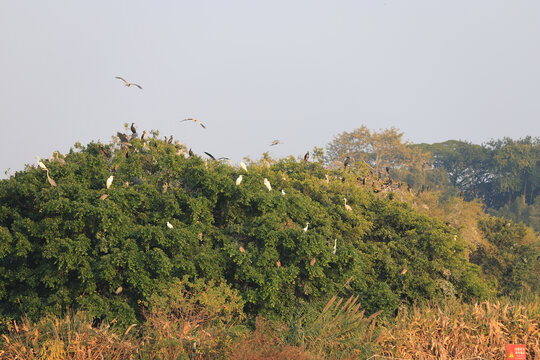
x: 298, y: 71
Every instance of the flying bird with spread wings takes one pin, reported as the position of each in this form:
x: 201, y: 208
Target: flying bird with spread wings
x: 275, y: 142
x: 126, y: 83
x: 195, y: 121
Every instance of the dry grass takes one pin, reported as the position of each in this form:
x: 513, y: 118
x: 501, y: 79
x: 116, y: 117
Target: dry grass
x: 459, y: 331
x: 341, y: 331
x: 71, y: 337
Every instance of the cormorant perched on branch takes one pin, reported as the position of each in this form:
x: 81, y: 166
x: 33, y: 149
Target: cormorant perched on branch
x: 306, y: 157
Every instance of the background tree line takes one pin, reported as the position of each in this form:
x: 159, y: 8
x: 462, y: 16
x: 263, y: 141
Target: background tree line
x: 504, y: 174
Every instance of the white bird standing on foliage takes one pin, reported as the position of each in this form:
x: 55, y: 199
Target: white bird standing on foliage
x: 109, y: 181
x: 267, y: 184
x: 243, y: 166
x: 335, y: 247
x: 169, y: 225
x: 42, y: 166
x: 239, y: 180
x: 283, y: 192
x: 347, y: 207
x: 306, y: 228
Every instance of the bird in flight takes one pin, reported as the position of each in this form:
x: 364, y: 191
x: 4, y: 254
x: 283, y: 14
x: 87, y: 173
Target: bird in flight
x: 275, y: 142
x: 194, y: 120
x: 128, y: 84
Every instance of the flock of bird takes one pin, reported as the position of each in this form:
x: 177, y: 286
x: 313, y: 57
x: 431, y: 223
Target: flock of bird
x: 125, y: 141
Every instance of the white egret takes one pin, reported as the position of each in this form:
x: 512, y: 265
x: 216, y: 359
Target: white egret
x: 42, y: 166
x: 306, y: 228
x: 109, y: 181
x: 128, y: 84
x: 169, y: 225
x: 51, y: 181
x: 347, y: 207
x: 283, y: 192
x: 239, y: 180
x: 243, y: 166
x: 267, y: 184
x: 335, y: 247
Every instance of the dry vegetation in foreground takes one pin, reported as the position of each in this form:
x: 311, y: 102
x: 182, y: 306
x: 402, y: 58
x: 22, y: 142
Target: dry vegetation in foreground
x: 341, y: 331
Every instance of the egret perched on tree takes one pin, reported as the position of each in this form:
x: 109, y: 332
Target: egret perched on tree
x: 283, y: 192
x: 42, y: 166
x: 347, y: 207
x: 267, y: 184
x: 243, y: 166
x: 195, y: 121
x: 239, y: 180
x: 127, y: 83
x: 51, y: 181
x: 306, y: 228
x: 109, y: 181
x: 335, y: 247
x: 169, y: 225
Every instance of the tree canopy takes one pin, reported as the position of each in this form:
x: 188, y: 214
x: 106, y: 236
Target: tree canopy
x: 167, y: 216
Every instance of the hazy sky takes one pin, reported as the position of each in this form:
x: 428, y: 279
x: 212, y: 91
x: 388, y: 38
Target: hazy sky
x: 253, y: 71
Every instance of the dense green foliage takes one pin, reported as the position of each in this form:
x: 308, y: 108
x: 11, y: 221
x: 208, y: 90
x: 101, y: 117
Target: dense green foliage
x: 67, y: 246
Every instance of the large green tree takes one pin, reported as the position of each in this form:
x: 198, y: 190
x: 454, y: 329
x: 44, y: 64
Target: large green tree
x: 167, y: 216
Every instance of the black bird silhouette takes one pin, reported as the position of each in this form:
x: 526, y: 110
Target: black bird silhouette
x: 143, y: 136
x: 306, y: 157
x: 346, y: 162
x: 190, y: 152
x: 211, y: 156
x: 123, y: 137
x: 133, y: 130
x: 170, y: 140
